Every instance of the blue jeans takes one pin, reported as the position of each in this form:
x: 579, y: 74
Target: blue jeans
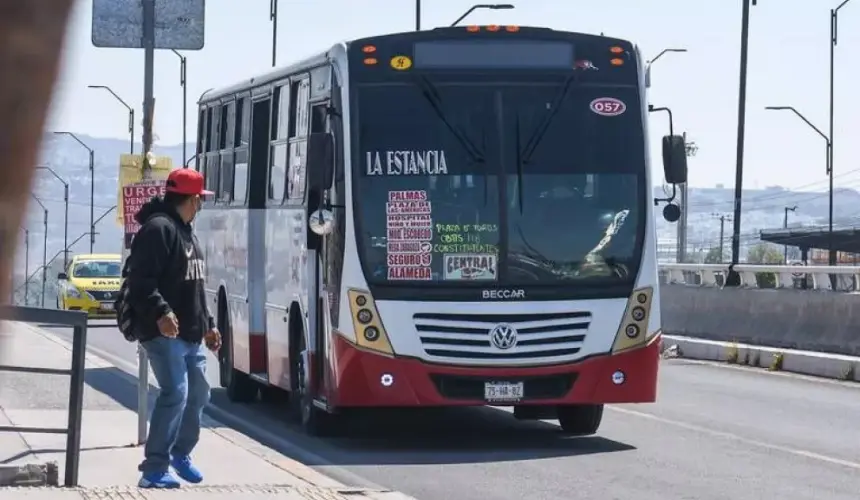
x: 174, y: 427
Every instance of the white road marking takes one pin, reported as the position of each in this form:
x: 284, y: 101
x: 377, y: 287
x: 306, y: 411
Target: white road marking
x: 765, y: 372
x: 735, y: 437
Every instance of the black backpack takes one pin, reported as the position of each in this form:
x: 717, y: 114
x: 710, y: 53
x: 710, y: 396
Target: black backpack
x: 125, y: 316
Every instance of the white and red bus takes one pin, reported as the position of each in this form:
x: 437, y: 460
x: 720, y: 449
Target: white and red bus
x: 454, y: 217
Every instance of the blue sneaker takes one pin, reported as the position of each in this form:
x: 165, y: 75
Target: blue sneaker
x: 163, y: 480
x: 186, y: 470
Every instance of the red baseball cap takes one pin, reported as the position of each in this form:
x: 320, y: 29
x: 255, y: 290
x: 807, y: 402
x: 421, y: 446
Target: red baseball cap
x: 186, y: 181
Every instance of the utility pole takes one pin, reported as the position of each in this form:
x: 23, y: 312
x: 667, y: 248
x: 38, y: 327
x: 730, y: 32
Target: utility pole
x: 723, y: 218
x: 691, y: 149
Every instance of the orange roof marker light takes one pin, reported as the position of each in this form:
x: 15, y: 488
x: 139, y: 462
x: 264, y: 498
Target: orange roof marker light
x: 473, y: 29
x: 616, y: 61
x: 616, y: 50
x: 493, y: 27
x: 368, y: 49
x: 512, y: 29
x: 370, y: 61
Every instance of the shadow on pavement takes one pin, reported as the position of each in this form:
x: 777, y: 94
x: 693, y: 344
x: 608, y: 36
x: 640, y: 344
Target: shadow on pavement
x: 422, y: 436
x: 120, y: 386
x: 45, y: 451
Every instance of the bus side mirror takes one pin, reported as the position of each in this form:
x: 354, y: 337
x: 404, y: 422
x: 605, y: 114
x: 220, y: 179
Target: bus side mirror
x: 674, y: 159
x: 320, y: 162
x: 62, y: 276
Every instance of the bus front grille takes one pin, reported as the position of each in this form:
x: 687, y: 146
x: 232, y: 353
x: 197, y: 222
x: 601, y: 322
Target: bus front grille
x: 538, y: 336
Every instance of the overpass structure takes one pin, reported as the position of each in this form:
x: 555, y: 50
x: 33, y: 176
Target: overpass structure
x: 785, y: 307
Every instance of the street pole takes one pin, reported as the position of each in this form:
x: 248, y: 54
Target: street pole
x: 92, y: 200
x: 130, y: 113
x: 417, y: 15
x: 183, y: 68
x: 45, y: 257
x: 45, y: 247
x: 495, y: 6
x: 722, y: 235
x: 92, y: 180
x: 27, y: 267
x: 148, y: 110
x: 66, y: 213
x: 734, y: 279
x: 273, y: 17
x: 834, y: 22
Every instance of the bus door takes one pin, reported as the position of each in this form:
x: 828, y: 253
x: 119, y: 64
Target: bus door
x: 257, y: 348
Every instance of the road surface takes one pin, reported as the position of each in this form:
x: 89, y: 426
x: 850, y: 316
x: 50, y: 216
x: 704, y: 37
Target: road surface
x: 716, y: 433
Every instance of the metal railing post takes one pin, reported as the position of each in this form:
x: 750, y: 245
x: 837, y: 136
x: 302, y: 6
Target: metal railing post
x: 76, y: 404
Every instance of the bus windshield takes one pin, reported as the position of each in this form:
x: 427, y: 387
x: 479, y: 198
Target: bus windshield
x: 513, y: 183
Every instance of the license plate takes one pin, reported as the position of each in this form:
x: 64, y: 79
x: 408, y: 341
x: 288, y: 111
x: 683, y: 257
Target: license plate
x: 107, y: 306
x: 503, y: 391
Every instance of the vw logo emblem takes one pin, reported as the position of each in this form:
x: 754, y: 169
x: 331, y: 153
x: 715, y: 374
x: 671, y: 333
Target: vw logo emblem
x: 503, y: 336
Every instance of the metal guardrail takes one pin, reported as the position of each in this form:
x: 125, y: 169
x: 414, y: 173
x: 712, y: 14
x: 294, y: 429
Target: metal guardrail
x: 78, y: 321
x: 847, y: 278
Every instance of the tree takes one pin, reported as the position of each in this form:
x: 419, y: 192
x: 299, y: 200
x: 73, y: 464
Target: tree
x: 713, y: 256
x: 765, y: 253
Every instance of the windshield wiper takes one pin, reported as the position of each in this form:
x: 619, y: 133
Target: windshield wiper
x: 535, y: 139
x: 432, y: 95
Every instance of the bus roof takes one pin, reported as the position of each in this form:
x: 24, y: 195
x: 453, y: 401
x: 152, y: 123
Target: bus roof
x: 319, y: 59
x: 272, y: 76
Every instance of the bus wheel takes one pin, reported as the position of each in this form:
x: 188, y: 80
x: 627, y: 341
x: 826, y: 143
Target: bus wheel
x: 580, y: 420
x: 315, y: 421
x: 240, y: 387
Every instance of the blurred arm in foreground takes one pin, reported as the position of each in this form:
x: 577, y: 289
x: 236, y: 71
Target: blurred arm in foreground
x: 31, y: 39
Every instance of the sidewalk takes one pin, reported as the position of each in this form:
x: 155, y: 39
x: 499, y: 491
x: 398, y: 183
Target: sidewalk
x: 234, y: 465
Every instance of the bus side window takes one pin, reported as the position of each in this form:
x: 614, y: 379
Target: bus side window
x: 202, y: 131
x: 300, y: 95
x: 213, y: 156
x: 279, y: 129
x: 240, y: 160
x: 228, y: 136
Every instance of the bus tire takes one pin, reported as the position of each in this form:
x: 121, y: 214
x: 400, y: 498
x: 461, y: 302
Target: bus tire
x: 315, y: 421
x: 240, y: 387
x: 580, y: 420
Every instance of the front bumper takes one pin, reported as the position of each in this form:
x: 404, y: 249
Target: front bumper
x: 359, y: 374
x: 93, y: 308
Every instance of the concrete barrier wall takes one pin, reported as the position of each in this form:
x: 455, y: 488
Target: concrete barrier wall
x: 791, y: 319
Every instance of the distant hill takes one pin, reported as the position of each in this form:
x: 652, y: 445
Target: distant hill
x: 763, y: 208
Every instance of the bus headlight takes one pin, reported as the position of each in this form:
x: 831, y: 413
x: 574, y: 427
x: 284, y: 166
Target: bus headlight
x: 633, y: 329
x: 369, y: 332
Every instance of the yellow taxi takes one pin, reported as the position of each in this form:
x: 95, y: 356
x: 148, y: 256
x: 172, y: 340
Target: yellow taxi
x: 90, y: 283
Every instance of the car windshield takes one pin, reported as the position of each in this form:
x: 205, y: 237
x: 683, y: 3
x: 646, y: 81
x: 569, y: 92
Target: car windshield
x: 97, y: 269
x: 510, y: 183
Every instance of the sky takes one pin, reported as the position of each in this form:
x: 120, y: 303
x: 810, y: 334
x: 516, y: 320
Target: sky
x: 788, y: 66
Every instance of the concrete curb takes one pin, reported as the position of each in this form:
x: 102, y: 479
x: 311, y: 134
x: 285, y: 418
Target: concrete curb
x: 47, y: 474
x: 832, y: 366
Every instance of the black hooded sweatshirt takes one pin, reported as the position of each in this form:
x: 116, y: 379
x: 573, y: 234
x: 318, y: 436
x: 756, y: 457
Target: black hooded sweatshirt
x: 166, y: 273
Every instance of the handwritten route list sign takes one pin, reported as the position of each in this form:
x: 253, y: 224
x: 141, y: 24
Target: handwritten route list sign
x: 134, y: 196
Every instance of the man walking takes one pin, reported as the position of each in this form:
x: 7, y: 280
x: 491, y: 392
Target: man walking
x: 165, y: 280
